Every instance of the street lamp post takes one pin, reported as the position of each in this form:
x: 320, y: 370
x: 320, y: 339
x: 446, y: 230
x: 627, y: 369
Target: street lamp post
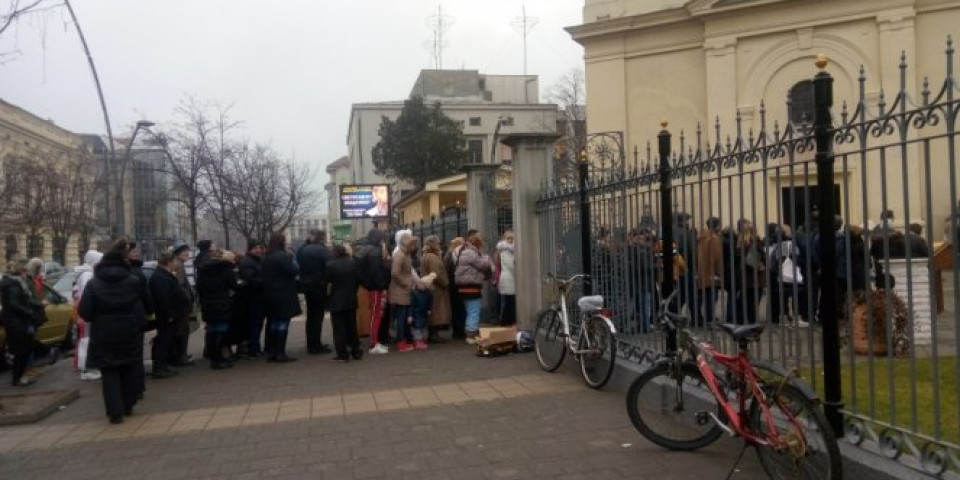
x: 119, y: 170
x: 501, y: 120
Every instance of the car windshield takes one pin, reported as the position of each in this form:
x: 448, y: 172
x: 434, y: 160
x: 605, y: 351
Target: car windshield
x: 64, y: 286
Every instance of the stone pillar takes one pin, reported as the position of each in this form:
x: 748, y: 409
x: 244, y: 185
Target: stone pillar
x: 482, y: 215
x: 532, y: 161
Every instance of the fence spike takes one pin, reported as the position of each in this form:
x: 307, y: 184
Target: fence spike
x: 843, y: 113
x: 926, y: 90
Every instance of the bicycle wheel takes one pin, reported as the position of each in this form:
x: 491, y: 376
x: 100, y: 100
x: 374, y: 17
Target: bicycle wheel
x: 811, y: 451
x: 671, y: 411
x: 598, y: 349
x: 549, y: 341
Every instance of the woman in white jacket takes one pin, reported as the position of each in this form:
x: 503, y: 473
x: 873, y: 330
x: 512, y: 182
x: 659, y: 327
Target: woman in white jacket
x: 506, y: 283
x: 90, y: 260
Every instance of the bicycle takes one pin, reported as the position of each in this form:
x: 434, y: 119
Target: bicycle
x: 685, y: 405
x: 595, y: 345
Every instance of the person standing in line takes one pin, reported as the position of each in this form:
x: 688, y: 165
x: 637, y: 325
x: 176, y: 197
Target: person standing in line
x: 203, y: 250
x: 90, y: 261
x: 216, y: 281
x: 312, y: 260
x: 686, y: 245
x: 458, y: 315
x: 473, y: 268
x: 112, y: 306
x: 131, y: 254
x: 400, y: 291
x: 507, y: 285
x: 343, y: 281
x: 172, y: 304
x: 184, y: 272
x: 372, y: 260
x: 432, y: 264
x: 19, y: 316
x: 709, y: 272
x: 280, y: 297
x: 751, y: 272
x: 251, y: 298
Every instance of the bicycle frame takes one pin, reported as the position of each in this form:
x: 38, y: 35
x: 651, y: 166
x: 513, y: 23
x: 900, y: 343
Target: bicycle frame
x: 563, y: 286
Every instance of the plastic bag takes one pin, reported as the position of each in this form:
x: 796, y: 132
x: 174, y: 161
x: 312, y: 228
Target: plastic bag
x: 82, y: 346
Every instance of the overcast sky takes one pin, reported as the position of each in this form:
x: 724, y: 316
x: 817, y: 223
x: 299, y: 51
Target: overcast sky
x: 292, y: 68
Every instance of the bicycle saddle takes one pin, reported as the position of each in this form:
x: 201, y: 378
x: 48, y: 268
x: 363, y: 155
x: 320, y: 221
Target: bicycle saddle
x: 742, y: 333
x: 591, y: 303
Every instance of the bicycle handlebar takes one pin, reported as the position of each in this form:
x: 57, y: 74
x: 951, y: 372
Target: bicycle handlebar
x: 565, y: 282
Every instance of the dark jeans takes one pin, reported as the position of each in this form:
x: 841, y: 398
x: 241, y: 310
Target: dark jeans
x: 345, y: 339
x: 508, y: 310
x: 705, y: 313
x: 747, y: 301
x: 120, y: 388
x: 400, y: 315
x: 421, y: 302
x: 164, y: 348
x: 255, y: 319
x: 459, y: 321
x: 316, y: 303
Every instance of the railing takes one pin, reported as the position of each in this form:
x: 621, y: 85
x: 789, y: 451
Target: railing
x: 748, y: 220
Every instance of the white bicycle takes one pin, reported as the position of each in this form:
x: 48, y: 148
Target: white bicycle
x: 595, y: 344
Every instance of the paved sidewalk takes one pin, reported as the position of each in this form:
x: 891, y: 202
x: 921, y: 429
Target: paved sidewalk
x: 439, y: 414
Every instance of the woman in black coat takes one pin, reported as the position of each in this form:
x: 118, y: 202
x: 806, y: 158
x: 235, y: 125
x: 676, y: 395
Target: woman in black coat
x: 216, y: 282
x: 280, y: 296
x: 172, y: 303
x: 341, y: 279
x: 20, y: 317
x: 113, y: 307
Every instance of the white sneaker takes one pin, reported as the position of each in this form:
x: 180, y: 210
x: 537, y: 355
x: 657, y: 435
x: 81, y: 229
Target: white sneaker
x: 801, y: 323
x: 90, y: 375
x: 379, y: 349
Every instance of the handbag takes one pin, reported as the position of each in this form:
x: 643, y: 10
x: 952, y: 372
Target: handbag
x: 753, y: 259
x: 789, y: 273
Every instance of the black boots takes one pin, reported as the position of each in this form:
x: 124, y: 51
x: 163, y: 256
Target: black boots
x: 434, y: 335
x: 214, y: 349
x: 278, y: 351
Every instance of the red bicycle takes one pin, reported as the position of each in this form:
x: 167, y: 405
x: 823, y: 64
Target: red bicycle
x: 690, y: 397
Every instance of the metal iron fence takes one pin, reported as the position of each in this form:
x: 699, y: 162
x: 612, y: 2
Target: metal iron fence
x: 448, y: 225
x: 840, y: 239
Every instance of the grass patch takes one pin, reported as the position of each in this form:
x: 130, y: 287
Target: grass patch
x: 898, y: 407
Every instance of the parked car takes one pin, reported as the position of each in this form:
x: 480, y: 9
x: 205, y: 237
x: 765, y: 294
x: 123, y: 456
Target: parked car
x: 60, y: 328
x: 52, y: 271
x: 64, y: 286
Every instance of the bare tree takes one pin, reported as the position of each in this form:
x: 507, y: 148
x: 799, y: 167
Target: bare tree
x: 69, y: 189
x: 29, y: 200
x: 569, y: 95
x: 219, y: 183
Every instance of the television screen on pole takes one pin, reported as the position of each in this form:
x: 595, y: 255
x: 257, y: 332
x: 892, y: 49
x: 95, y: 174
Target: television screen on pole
x: 364, y: 201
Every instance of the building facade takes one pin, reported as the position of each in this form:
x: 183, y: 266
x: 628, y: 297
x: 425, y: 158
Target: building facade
x: 488, y: 106
x: 708, y: 62
x: 339, y: 173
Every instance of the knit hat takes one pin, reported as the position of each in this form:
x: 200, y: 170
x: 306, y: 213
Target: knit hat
x: 253, y: 243
x: 204, y: 245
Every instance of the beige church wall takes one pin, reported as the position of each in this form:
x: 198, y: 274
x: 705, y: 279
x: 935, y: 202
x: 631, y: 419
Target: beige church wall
x: 605, y: 89
x: 667, y: 86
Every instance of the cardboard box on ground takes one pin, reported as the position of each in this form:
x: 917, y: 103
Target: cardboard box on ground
x: 496, y: 341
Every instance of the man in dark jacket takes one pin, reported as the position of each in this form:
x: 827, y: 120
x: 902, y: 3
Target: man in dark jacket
x: 280, y: 296
x: 172, y: 304
x: 216, y: 282
x: 182, y: 252
x: 113, y: 307
x: 313, y: 260
x: 251, y: 295
x: 372, y: 262
x: 341, y: 278
x: 20, y: 318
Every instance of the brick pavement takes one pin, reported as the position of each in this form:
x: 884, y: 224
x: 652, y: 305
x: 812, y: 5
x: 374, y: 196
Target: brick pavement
x: 443, y: 413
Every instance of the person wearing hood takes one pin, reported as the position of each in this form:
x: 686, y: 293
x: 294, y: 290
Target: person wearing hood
x: 172, y: 303
x: 373, y: 269
x: 90, y: 260
x: 506, y: 284
x: 216, y: 282
x: 20, y: 317
x: 280, y: 297
x: 112, y: 306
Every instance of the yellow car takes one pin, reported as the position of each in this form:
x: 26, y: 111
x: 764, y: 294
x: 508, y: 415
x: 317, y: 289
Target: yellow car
x: 60, y: 328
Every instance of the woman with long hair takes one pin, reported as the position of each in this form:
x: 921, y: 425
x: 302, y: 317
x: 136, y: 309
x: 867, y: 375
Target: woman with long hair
x: 458, y: 316
x: 280, y: 295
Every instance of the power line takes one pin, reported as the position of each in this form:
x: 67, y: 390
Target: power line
x: 525, y: 24
x: 438, y: 23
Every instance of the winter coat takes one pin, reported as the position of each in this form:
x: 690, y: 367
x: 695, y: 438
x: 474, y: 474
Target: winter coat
x: 170, y: 298
x: 472, y: 270
x: 136, y: 268
x: 341, y: 278
x: 441, y: 312
x: 20, y: 315
x: 216, y: 281
x: 280, y: 285
x: 401, y: 279
x: 507, y: 284
x: 745, y: 275
x: 709, y: 260
x: 312, y: 260
x: 372, y: 268
x: 251, y: 279
x: 112, y: 305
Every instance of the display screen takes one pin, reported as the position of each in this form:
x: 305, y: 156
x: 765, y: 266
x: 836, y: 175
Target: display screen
x: 364, y: 201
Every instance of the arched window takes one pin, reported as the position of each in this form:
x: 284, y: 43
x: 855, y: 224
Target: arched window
x: 800, y: 102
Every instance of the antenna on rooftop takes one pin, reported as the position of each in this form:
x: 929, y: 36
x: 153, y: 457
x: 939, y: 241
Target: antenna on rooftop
x: 525, y: 24
x: 439, y: 23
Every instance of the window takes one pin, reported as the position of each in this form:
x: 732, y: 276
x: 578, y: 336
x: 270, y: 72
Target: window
x: 800, y: 103
x: 475, y: 151
x: 507, y: 121
x: 474, y: 121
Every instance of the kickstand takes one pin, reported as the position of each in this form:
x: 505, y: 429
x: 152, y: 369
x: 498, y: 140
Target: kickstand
x: 739, y: 457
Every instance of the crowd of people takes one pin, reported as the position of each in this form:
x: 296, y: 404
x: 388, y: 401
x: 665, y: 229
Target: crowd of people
x: 246, y: 302
x: 739, y: 265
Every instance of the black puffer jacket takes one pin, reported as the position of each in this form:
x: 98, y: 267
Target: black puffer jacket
x: 216, y: 281
x: 280, y: 285
x: 313, y: 264
x: 113, y: 307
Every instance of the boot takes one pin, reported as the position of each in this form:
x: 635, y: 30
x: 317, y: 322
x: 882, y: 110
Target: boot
x: 433, y: 335
x: 214, y: 348
x: 281, y: 347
